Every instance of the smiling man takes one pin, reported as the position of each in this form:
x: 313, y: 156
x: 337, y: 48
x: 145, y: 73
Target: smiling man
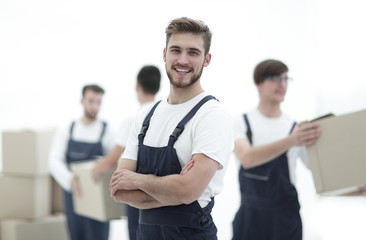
x: 178, y: 148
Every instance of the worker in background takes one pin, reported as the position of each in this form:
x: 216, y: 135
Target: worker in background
x: 147, y: 86
x: 267, y: 144
x: 84, y: 139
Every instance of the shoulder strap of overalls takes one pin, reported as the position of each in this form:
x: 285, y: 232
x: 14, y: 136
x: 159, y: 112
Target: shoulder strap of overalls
x: 103, y: 131
x: 180, y: 127
x: 293, y: 126
x: 146, y: 123
x: 249, y: 130
x: 71, y: 129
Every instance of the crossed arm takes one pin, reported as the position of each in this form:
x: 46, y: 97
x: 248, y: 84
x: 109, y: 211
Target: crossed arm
x: 304, y: 133
x: 150, y: 191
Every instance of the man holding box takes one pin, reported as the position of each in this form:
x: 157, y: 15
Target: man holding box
x: 267, y: 143
x: 86, y: 139
x: 176, y: 203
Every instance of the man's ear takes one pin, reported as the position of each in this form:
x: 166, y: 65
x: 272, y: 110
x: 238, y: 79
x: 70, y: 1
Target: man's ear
x: 207, y: 60
x: 164, y: 55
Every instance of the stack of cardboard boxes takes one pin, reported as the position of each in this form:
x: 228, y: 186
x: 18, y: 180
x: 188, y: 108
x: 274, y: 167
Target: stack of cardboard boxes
x: 31, y: 203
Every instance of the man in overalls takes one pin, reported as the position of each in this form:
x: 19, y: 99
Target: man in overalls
x: 172, y: 167
x: 84, y: 139
x: 147, y: 86
x: 267, y: 143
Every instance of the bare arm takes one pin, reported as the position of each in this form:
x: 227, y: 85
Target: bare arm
x: 303, y: 134
x: 107, y: 163
x: 134, y: 197
x: 172, y: 189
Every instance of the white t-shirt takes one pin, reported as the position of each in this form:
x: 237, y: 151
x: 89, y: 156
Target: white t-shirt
x: 266, y: 130
x: 124, y: 131
x: 209, y: 132
x: 81, y: 132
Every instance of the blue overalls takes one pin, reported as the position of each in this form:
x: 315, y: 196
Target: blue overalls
x: 269, y: 205
x: 133, y: 221
x: 172, y: 222
x: 82, y: 228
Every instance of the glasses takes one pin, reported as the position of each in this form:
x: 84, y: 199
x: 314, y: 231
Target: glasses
x: 278, y: 79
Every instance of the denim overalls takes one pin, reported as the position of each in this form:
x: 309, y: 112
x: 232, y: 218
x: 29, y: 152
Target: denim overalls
x: 269, y: 205
x: 83, y: 228
x: 172, y: 222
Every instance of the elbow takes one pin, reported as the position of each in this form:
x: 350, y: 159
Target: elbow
x: 187, y: 195
x: 246, y: 163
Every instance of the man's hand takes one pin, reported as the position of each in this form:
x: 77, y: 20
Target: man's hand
x: 360, y: 192
x: 123, y: 180
x: 76, y: 185
x: 305, y: 133
x: 100, y: 167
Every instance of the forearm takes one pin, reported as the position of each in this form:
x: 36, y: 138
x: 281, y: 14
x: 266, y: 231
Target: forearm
x: 169, y: 190
x: 172, y: 189
x: 255, y: 156
x: 112, y: 159
x: 181, y: 188
x: 136, y: 198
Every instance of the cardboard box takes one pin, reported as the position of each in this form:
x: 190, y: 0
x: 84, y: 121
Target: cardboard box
x: 56, y: 197
x: 51, y: 227
x: 95, y: 201
x: 338, y: 159
x: 26, y: 151
x: 24, y: 197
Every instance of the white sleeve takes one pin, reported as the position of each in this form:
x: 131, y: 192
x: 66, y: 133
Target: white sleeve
x: 124, y: 131
x: 132, y: 140
x: 240, y: 128
x: 57, y: 159
x: 304, y: 156
x: 108, y: 140
x: 213, y: 136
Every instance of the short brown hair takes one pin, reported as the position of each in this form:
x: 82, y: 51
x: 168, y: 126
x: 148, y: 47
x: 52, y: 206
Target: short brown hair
x: 187, y: 25
x: 267, y: 68
x: 92, y: 87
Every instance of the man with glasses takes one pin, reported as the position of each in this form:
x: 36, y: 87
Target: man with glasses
x: 267, y: 143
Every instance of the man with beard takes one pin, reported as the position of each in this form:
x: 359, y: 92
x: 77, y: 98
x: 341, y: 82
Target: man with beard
x: 85, y: 139
x: 178, y: 148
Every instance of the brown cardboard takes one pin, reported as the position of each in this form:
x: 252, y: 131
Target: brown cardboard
x: 56, y: 197
x: 24, y: 196
x: 26, y: 151
x: 338, y: 159
x: 47, y: 228
x: 95, y: 201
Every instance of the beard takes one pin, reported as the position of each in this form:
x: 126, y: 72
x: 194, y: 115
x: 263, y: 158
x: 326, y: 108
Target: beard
x: 179, y: 84
x: 90, y: 116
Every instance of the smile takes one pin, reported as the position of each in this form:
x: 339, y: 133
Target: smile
x: 182, y: 70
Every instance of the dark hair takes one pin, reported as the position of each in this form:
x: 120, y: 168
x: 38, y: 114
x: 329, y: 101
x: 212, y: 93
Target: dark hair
x: 92, y: 87
x: 187, y: 25
x: 149, y: 79
x: 269, y: 67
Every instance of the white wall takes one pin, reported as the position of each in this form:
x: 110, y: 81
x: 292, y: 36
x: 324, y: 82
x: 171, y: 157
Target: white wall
x: 50, y: 49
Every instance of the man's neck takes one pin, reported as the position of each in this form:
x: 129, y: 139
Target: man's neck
x: 87, y: 121
x: 182, y: 95
x: 270, y: 109
x: 146, y: 98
